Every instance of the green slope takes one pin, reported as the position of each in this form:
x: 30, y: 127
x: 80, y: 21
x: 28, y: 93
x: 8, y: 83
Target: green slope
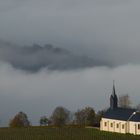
x: 44, y: 133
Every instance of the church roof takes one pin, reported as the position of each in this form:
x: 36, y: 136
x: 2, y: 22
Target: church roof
x: 122, y: 114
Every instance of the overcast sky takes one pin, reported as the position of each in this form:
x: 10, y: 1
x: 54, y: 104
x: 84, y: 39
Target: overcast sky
x: 106, y: 31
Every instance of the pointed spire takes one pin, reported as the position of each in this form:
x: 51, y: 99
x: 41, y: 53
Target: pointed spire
x: 113, y: 98
x: 114, y: 91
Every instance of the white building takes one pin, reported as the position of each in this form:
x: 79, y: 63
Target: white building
x: 120, y: 120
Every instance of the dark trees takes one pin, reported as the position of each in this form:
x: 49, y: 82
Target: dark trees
x: 60, y: 116
x: 98, y: 117
x: 85, y: 116
x: 20, y: 120
x: 44, y: 121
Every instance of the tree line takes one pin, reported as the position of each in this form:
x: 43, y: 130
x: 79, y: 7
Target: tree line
x: 62, y: 116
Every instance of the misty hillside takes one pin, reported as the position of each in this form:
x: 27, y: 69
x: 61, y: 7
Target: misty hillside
x: 35, y: 57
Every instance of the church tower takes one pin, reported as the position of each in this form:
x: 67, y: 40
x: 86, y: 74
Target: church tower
x: 113, y: 99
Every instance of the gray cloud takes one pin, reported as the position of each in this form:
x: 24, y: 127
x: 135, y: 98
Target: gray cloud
x: 9, y: 5
x: 106, y: 30
x: 34, y: 58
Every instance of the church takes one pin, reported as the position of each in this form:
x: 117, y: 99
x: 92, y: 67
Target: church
x: 120, y: 120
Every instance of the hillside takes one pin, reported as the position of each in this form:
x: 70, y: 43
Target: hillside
x: 43, y: 133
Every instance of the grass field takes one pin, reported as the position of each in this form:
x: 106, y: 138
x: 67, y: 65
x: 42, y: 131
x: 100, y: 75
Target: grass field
x: 44, y: 133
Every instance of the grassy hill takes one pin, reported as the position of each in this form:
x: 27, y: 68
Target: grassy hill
x: 44, y: 133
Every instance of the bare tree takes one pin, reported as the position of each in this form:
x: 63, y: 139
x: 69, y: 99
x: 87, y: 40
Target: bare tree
x: 85, y: 116
x: 60, y: 116
x: 124, y: 101
x: 138, y: 107
x: 20, y: 120
x: 98, y: 117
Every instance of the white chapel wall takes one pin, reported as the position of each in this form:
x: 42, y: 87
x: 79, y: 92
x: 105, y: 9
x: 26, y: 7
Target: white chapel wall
x: 120, y: 126
x: 134, y: 128
x: 113, y: 125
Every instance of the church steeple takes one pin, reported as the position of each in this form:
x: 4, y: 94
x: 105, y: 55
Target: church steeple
x: 113, y: 98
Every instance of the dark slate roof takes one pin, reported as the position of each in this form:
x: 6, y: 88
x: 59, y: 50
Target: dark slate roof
x: 122, y: 114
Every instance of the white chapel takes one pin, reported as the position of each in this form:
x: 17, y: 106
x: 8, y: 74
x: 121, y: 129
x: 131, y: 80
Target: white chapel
x: 120, y: 120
